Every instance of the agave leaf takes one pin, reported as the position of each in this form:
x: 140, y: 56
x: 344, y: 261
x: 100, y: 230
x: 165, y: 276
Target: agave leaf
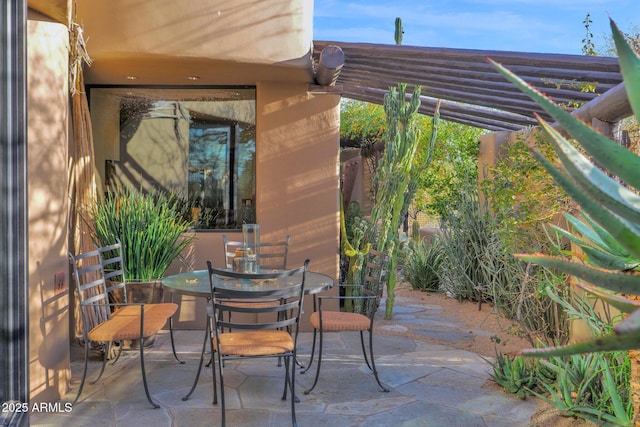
x: 609, y: 241
x: 590, y: 178
x: 630, y: 325
x: 608, y: 261
x: 612, y: 156
x: 621, y: 282
x: 630, y: 68
x: 586, y: 232
x: 572, y: 237
x: 599, y: 257
x: 625, y: 305
x: 610, y: 342
x: 619, y: 413
x: 626, y: 233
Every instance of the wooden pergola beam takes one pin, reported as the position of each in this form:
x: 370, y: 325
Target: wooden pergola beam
x: 472, y: 91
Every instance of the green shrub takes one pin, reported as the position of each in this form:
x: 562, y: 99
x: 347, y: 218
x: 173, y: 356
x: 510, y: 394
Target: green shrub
x: 591, y: 386
x: 149, y: 225
x: 478, y: 265
x: 515, y: 374
x: 421, y: 263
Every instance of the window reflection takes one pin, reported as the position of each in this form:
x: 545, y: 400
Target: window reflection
x: 197, y: 143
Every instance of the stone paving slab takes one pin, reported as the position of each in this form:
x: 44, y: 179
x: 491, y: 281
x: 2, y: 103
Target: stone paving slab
x: 431, y: 385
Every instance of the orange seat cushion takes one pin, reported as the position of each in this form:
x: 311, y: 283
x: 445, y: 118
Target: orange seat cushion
x: 124, y: 324
x: 254, y: 343
x: 336, y: 321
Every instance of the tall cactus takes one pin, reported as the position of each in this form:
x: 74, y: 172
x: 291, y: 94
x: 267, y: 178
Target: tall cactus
x: 356, y: 251
x: 399, y: 31
x: 413, y: 179
x: 393, y: 175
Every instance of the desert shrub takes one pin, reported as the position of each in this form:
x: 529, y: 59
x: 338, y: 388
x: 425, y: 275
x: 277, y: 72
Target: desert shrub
x: 478, y: 265
x: 421, y: 262
x: 515, y: 374
x: 522, y: 194
x: 592, y: 386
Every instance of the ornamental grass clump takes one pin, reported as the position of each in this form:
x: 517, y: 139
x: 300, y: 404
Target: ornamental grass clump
x: 150, y: 227
x: 421, y: 263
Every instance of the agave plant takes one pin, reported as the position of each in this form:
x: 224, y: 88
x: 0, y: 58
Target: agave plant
x: 612, y: 206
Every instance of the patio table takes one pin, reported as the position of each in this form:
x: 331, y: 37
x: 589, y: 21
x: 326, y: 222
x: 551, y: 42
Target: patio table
x: 196, y: 283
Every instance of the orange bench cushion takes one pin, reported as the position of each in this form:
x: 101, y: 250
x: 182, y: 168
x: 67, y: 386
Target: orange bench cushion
x: 124, y: 324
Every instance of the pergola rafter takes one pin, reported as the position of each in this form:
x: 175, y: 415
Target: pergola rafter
x: 473, y: 93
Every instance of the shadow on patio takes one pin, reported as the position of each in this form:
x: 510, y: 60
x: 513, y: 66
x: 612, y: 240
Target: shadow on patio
x: 431, y: 385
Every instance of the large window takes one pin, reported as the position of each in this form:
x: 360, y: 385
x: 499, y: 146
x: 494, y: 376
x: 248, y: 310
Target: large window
x: 198, y: 143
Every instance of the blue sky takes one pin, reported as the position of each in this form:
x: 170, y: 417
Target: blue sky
x: 547, y: 26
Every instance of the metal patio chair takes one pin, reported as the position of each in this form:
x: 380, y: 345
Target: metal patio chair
x: 365, y: 301
x: 107, y: 317
x: 253, y: 336
x: 273, y: 254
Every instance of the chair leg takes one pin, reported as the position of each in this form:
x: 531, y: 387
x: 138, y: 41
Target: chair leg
x: 222, y: 401
x: 287, y: 362
x: 373, y: 364
x: 104, y: 363
x: 287, y: 379
x: 144, y: 375
x: 313, y: 349
x: 315, y: 381
x: 173, y: 345
x: 364, y: 351
x: 195, y: 381
x: 120, y: 345
x: 84, y: 373
x: 213, y: 374
x: 211, y: 326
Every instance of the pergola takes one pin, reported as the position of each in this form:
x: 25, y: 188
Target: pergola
x: 472, y: 92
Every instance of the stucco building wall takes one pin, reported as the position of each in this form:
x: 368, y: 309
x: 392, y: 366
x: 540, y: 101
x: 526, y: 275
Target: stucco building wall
x: 48, y: 139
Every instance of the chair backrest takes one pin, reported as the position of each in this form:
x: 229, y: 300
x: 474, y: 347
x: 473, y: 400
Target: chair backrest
x: 373, y: 279
x: 91, y: 288
x: 113, y: 270
x: 285, y: 315
x: 273, y: 254
x: 99, y: 281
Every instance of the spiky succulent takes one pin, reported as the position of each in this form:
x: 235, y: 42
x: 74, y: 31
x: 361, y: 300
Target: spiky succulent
x: 612, y: 240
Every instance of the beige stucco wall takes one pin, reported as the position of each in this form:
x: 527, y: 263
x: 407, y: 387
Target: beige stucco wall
x: 48, y: 133
x: 220, y: 41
